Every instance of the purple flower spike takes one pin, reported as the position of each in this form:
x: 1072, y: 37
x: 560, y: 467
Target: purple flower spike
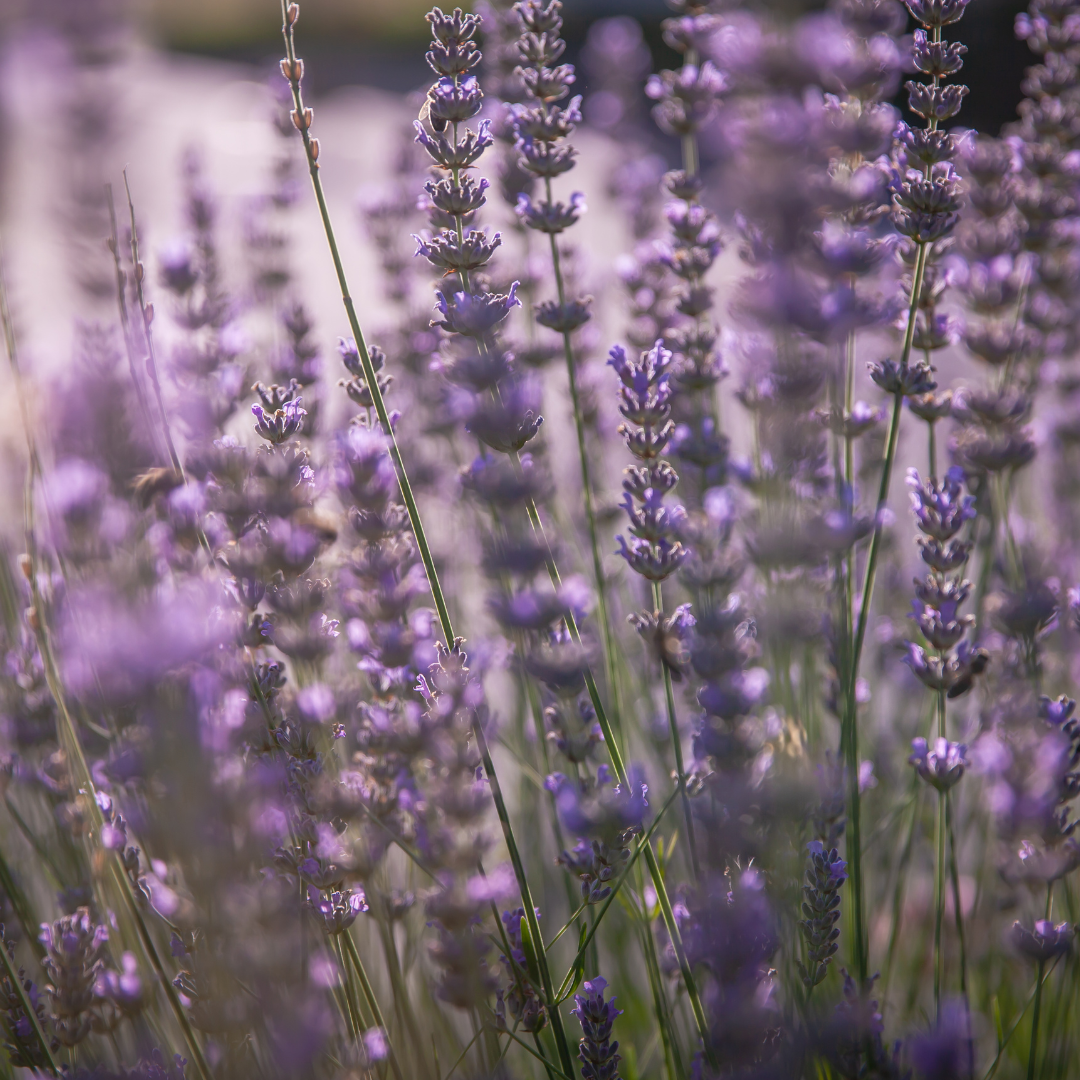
x: 1045, y: 942
x: 937, y: 12
x: 337, y: 909
x: 599, y: 1057
x: 941, y: 508
x: 280, y: 425
x: 942, y: 766
x: 474, y: 315
x: 825, y: 873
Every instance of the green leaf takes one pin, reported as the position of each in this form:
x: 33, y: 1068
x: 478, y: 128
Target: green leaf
x: 576, y: 972
x: 531, y: 965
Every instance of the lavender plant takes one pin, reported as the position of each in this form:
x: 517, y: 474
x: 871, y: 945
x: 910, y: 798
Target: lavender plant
x: 247, y: 763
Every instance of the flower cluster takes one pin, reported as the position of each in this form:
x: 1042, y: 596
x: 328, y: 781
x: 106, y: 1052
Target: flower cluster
x: 825, y: 873
x: 654, y: 550
x: 599, y: 1055
x: 941, y: 510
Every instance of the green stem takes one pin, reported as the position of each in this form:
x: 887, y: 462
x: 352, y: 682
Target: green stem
x: 371, y: 999
x: 361, y: 344
x: 672, y: 1058
x: 1016, y: 1023
x: 898, y: 891
x: 851, y: 737
x: 645, y: 840
x: 586, y: 487
x: 676, y: 741
x: 939, y: 903
x: 526, y: 901
x: 958, y: 911
x: 547, y: 1064
x: 1034, y: 1049
x: 201, y: 1064
x: 352, y: 1009
x: 939, y: 872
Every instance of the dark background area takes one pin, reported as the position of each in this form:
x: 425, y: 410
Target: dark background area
x: 392, y: 59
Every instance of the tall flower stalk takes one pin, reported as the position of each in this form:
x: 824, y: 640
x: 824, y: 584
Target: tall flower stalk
x: 452, y: 55
x: 926, y: 204
x: 542, y: 132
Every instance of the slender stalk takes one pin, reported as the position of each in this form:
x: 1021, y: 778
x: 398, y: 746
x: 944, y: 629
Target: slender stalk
x: 958, y: 913
x: 898, y: 893
x: 352, y: 1009
x: 939, y: 903
x: 586, y: 487
x: 1016, y: 1023
x: 1034, y: 1048
x: 150, y: 949
x: 616, y: 887
x: 672, y: 1059
x: 527, y: 903
x: 292, y: 69
x: 851, y: 736
x: 371, y: 999
x: 939, y: 872
x: 676, y: 742
x: 547, y: 1064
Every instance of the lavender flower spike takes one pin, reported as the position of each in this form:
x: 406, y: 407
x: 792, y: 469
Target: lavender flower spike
x: 1045, y: 942
x: 599, y: 1060
x: 941, y: 767
x: 825, y: 873
x: 280, y: 425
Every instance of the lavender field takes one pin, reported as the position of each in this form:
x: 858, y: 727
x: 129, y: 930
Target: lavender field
x: 570, y: 571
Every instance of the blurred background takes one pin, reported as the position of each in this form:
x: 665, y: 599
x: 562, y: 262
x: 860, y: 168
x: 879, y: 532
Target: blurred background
x: 94, y: 87
x: 380, y: 42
